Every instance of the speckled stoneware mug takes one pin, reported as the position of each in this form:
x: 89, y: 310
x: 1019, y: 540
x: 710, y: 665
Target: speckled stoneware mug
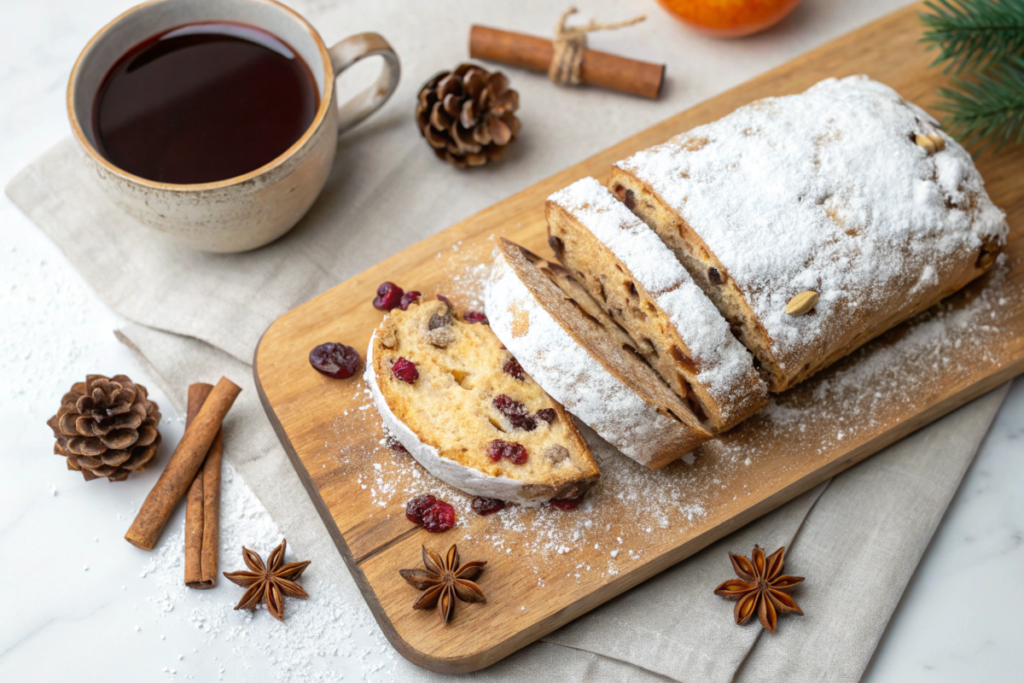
x: 250, y: 210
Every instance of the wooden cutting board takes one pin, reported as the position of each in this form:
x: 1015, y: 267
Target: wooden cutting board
x: 547, y: 567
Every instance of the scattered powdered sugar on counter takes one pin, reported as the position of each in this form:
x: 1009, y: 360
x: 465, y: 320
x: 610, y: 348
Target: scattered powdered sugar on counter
x: 315, y: 642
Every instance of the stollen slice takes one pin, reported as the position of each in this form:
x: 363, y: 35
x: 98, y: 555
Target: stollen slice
x: 458, y: 401
x: 643, y: 287
x: 817, y: 221
x: 580, y: 356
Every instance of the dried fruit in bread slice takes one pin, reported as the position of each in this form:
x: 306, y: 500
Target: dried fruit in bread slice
x: 453, y: 397
x: 846, y: 190
x: 627, y: 268
x: 580, y: 356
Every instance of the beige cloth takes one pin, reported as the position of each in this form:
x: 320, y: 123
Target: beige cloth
x: 857, y: 538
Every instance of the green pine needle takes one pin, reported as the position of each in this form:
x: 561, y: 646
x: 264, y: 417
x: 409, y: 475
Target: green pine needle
x: 988, y: 110
x: 973, y: 34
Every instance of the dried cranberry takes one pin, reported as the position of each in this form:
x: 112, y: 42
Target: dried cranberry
x: 487, y: 506
x: 407, y: 300
x: 547, y: 414
x: 439, y: 517
x: 442, y: 297
x: 512, y: 367
x: 405, y: 370
x: 335, y: 360
x: 513, y: 452
x: 475, y: 317
x: 515, y: 412
x: 567, y: 503
x: 394, y: 444
x: 415, y: 508
x: 389, y: 295
x: 496, y: 449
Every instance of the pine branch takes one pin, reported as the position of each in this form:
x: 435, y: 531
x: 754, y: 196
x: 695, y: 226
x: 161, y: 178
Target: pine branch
x: 988, y: 110
x: 974, y: 34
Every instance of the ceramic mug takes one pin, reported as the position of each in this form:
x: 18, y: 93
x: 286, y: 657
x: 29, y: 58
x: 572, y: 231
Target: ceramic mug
x: 250, y: 210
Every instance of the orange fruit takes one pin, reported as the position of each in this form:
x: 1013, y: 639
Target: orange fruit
x: 730, y: 17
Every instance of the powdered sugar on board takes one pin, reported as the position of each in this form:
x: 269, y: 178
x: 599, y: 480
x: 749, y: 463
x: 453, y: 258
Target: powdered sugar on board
x: 825, y: 191
x: 726, y: 369
x: 540, y: 535
x: 896, y: 374
x: 633, y: 513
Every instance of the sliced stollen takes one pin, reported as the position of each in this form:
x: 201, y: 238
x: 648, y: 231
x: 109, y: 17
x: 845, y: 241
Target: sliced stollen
x: 846, y: 193
x: 637, y: 280
x: 580, y: 356
x: 451, y: 394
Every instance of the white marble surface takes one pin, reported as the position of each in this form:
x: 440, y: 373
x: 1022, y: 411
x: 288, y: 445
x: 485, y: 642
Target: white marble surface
x: 81, y: 604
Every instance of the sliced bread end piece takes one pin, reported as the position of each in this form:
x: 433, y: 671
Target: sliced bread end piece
x: 467, y: 415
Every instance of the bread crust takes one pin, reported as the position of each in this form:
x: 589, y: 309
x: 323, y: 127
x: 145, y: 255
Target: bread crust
x: 563, y: 339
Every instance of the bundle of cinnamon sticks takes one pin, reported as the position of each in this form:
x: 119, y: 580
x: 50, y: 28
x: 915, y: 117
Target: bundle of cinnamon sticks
x: 194, y: 469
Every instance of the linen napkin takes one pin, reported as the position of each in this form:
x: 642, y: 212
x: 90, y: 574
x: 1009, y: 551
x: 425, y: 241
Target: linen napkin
x: 201, y: 315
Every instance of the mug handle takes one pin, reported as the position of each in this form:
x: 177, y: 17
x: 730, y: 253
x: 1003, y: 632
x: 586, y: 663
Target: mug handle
x: 349, y: 51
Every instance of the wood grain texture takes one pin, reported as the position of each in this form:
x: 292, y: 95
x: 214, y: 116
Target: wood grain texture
x: 909, y: 377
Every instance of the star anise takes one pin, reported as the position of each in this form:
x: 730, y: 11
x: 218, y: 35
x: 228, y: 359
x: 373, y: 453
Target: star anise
x: 268, y: 583
x: 761, y: 588
x: 443, y: 581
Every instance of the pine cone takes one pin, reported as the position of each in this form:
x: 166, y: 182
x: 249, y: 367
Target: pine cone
x: 467, y: 115
x: 106, y: 427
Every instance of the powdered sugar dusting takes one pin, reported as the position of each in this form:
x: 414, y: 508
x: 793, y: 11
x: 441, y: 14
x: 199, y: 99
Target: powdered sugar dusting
x: 725, y: 367
x: 825, y: 191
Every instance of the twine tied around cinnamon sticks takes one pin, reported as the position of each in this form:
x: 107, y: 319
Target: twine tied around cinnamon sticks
x: 572, y: 62
x: 571, y: 42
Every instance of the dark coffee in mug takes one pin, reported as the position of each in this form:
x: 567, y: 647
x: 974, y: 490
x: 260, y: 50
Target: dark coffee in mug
x: 203, y: 102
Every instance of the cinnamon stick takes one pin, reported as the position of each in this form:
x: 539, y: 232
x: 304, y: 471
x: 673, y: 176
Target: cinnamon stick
x: 181, y: 469
x: 202, y: 506
x: 598, y: 68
